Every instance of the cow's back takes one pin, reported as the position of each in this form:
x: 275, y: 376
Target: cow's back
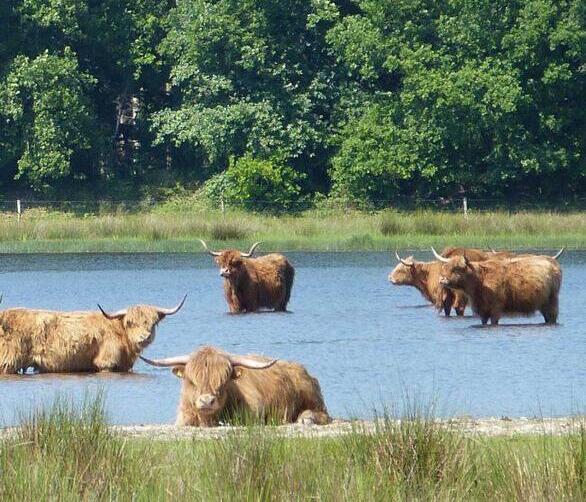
x: 50, y: 340
x: 285, y: 389
x: 471, y: 254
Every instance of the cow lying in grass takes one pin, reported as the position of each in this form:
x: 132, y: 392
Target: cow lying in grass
x: 218, y: 386
x: 51, y: 341
x: 254, y: 283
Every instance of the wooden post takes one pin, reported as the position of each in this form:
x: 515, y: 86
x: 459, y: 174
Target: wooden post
x: 222, y: 206
x: 18, y: 209
x: 465, y: 206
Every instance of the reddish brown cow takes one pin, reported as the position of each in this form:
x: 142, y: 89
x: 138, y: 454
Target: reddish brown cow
x: 425, y: 277
x: 77, y: 341
x: 254, y: 283
x: 217, y: 385
x: 519, y: 285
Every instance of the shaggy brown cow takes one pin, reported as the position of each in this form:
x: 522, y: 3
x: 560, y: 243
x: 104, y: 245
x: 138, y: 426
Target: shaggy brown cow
x: 519, y: 285
x: 254, y: 283
x: 425, y: 277
x: 217, y: 385
x: 55, y: 342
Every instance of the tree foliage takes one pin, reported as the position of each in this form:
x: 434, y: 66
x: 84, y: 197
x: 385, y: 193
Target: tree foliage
x: 368, y: 99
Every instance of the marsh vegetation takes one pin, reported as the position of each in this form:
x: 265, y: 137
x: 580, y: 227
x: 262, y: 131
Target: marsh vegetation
x: 63, y: 453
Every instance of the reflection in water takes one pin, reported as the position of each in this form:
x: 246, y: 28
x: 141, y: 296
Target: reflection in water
x: 368, y: 342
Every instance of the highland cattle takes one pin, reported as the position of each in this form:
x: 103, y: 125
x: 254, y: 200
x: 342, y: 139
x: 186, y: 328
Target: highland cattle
x: 519, y: 285
x: 218, y: 386
x: 254, y: 283
x: 53, y: 342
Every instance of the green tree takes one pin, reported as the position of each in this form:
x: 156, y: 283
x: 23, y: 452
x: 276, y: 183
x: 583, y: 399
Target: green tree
x: 115, y: 46
x: 44, y: 104
x: 251, y: 78
x: 461, y: 95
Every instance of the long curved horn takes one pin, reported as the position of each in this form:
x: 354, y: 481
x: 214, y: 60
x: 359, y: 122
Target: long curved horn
x: 116, y: 315
x: 249, y: 362
x: 404, y: 262
x: 438, y: 256
x: 493, y: 251
x: 174, y: 310
x: 252, y: 248
x: 168, y: 361
x: 213, y: 253
x: 559, y: 253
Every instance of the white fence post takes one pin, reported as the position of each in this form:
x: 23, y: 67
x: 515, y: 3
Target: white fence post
x: 222, y: 206
x: 465, y: 206
x: 18, y: 209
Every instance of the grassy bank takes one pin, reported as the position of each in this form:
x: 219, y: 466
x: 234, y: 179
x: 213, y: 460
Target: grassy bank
x: 67, y: 455
x: 166, y: 230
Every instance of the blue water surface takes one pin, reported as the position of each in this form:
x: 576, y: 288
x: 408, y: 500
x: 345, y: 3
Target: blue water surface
x: 371, y: 345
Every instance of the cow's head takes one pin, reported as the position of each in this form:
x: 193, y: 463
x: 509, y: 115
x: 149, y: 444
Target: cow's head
x: 230, y: 261
x: 454, y: 271
x: 140, y: 321
x: 206, y: 375
x: 405, y: 273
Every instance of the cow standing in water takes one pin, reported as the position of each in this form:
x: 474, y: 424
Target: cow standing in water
x: 254, y: 283
x: 424, y: 276
x: 519, y: 285
x: 218, y: 386
x: 59, y: 342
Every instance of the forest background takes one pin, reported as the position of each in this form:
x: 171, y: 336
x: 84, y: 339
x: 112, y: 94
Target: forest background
x: 294, y: 102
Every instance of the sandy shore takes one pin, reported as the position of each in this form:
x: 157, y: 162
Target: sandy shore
x: 468, y: 426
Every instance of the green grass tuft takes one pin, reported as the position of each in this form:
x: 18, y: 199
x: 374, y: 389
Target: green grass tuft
x: 69, y: 453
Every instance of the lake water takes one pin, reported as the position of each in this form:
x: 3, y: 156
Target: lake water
x: 368, y: 342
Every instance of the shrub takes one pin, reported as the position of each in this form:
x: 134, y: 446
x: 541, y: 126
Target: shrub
x: 256, y: 184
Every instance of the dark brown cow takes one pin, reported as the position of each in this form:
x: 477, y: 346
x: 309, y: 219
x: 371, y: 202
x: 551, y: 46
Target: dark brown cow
x: 217, y: 385
x: 254, y: 283
x: 425, y: 277
x: 519, y: 285
x: 77, y: 341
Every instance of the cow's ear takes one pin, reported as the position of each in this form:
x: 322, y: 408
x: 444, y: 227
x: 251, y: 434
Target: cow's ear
x: 236, y: 372
x: 179, y: 370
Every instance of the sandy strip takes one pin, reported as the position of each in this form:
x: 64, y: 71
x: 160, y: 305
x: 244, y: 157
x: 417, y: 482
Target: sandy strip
x: 468, y: 426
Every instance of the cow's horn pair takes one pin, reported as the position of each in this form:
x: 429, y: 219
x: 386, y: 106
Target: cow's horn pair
x: 439, y: 256
x: 162, y: 311
x: 404, y: 262
x: 244, y: 361
x: 216, y: 253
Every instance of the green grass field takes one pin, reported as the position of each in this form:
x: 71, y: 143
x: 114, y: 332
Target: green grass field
x: 167, y: 230
x: 63, y: 454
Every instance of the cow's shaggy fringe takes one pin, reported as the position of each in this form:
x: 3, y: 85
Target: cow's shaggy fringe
x: 64, y: 454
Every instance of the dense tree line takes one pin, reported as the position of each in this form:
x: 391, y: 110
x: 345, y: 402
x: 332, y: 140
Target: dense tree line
x: 282, y: 99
